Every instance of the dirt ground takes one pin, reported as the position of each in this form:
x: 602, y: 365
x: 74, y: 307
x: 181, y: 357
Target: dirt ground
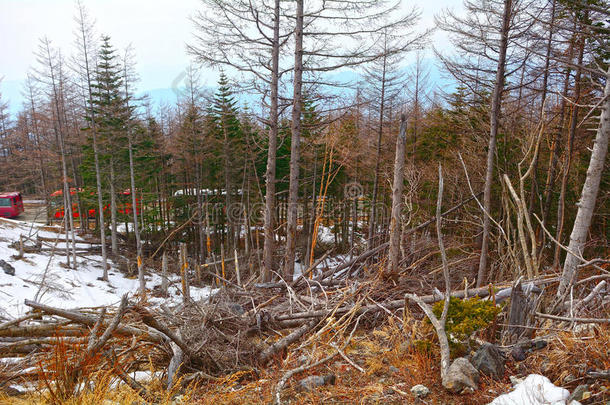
x: 34, y: 211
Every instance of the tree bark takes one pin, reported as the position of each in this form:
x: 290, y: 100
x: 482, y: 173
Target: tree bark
x: 545, y: 80
x: 83, y: 33
x: 397, y: 190
x: 297, y: 103
x: 268, y: 245
x: 372, y: 219
x: 588, y: 196
x: 569, y: 152
x: 113, y: 236
x: 494, y: 124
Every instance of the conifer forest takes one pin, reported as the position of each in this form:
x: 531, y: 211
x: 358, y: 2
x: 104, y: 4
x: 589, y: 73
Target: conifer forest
x: 334, y: 202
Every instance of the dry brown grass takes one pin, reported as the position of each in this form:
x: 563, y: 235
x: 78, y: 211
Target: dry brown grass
x: 392, y: 366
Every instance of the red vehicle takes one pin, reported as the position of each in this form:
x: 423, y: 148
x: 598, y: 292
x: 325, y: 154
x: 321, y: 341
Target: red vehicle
x: 11, y: 204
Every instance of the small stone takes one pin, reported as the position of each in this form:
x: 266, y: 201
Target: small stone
x: 7, y: 268
x: 489, y: 360
x: 579, y: 393
x: 420, y: 391
x: 313, y: 381
x: 461, y: 375
x: 518, y: 354
x: 394, y: 369
x: 388, y: 391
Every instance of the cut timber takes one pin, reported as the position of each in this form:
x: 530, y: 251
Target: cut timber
x: 90, y: 321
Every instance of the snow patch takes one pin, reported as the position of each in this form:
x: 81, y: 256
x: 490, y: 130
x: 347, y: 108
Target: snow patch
x: 535, y: 390
x: 42, y: 277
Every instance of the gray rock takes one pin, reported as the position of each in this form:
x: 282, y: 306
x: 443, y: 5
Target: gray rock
x: 518, y: 353
x: 313, y: 381
x: 394, y: 369
x: 578, y: 393
x: 420, y: 391
x: 489, y: 360
x: 7, y: 268
x: 461, y: 376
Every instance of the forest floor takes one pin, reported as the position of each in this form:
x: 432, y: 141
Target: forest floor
x: 380, y: 365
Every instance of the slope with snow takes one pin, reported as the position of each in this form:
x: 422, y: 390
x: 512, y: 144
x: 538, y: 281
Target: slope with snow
x: 43, y: 277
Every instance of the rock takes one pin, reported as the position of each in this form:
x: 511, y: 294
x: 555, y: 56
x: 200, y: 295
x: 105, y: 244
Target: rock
x: 313, y: 381
x: 420, y: 391
x: 7, y: 268
x: 489, y: 360
x: 461, y: 376
x: 518, y: 354
x: 579, y: 393
x: 394, y: 369
x: 539, y: 344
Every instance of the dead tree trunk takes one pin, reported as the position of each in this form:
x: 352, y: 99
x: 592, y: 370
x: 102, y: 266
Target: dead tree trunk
x: 293, y: 189
x: 271, y: 149
x: 588, y: 196
x: 491, y: 150
x: 397, y: 189
x: 113, y: 236
x: 372, y: 218
x: 569, y: 152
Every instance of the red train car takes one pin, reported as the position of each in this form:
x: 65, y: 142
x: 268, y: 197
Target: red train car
x: 11, y: 204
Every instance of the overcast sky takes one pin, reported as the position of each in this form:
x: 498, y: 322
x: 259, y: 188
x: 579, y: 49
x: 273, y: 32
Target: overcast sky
x: 157, y: 29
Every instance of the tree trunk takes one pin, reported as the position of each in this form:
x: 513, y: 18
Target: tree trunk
x: 494, y: 123
x: 397, y: 189
x: 83, y: 32
x: 113, y: 237
x: 569, y: 152
x: 588, y: 196
x: 555, y: 150
x: 545, y: 79
x: 293, y: 191
x: 136, y: 227
x: 372, y: 218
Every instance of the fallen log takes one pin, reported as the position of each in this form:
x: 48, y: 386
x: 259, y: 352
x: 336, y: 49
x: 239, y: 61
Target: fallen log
x: 397, y: 304
x: 42, y: 330
x: 284, y: 342
x: 30, y: 345
x: 17, y: 321
x: 576, y: 320
x: 91, y: 321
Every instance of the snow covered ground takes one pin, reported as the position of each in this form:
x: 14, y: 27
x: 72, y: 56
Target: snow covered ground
x: 42, y: 277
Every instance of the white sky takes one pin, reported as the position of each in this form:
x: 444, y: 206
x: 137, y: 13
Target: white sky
x: 157, y: 29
